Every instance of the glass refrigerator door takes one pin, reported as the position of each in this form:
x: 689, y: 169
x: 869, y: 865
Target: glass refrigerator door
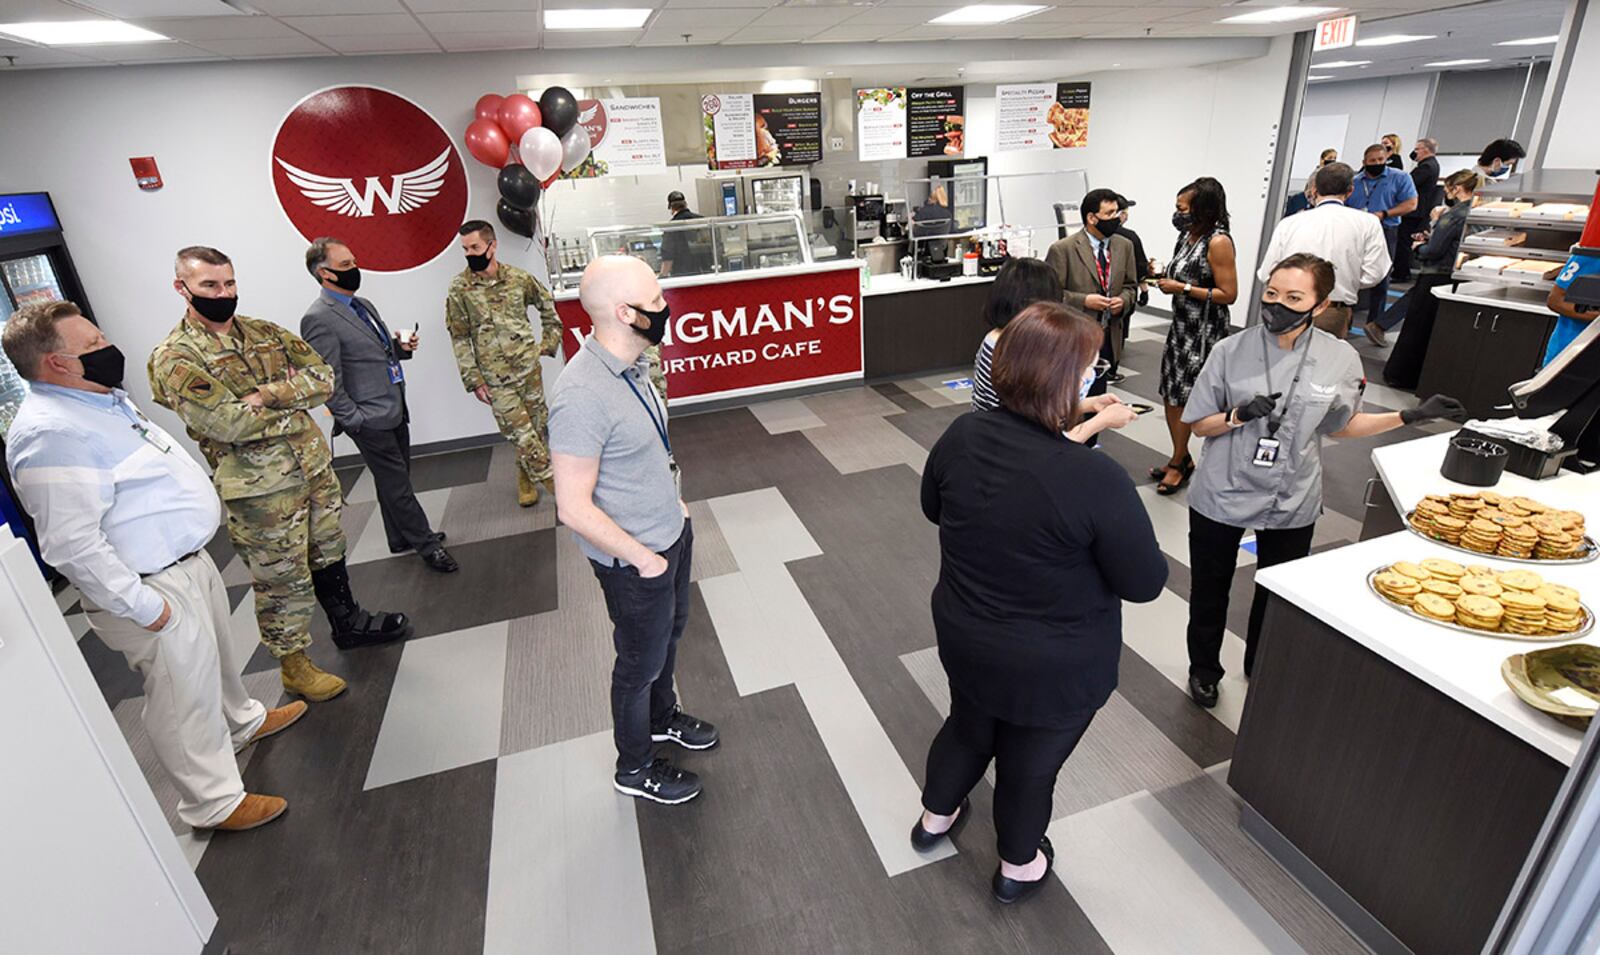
x: 28, y: 281
x: 970, y: 198
x: 777, y: 195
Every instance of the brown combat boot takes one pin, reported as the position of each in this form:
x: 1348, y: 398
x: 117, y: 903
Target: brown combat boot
x: 301, y: 677
x: 255, y: 811
x: 527, y: 490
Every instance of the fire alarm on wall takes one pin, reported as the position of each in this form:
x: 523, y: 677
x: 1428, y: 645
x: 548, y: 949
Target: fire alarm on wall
x: 145, y: 172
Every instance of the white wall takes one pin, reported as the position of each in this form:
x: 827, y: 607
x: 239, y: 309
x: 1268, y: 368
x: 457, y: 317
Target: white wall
x: 1392, y: 104
x: 1575, y: 134
x: 210, y: 126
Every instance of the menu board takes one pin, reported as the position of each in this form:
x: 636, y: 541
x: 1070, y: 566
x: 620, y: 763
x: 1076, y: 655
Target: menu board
x: 744, y: 130
x: 1042, y: 116
x: 936, y: 121
x: 625, y: 137
x: 881, y: 123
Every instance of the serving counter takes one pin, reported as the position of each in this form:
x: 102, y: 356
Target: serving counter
x: 1381, y: 758
x: 1485, y: 338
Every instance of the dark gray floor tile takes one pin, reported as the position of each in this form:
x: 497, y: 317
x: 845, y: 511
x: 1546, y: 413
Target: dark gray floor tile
x: 239, y: 592
x: 728, y: 452
x: 116, y: 680
x: 348, y: 477
x: 899, y: 396
x: 923, y: 424
x: 452, y: 469
x: 1201, y: 738
x: 221, y: 547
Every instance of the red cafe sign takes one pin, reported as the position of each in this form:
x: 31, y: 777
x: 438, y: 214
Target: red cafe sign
x: 752, y: 335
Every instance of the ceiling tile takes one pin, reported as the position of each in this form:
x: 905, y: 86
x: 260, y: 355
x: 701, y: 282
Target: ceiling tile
x: 453, y: 6
x: 311, y: 8
x: 701, y: 36
x: 266, y: 46
x: 134, y: 9
x: 718, y: 4
x: 582, y: 39
x: 464, y: 42
x: 31, y: 56
x: 522, y: 21
x: 805, y: 20
x: 850, y: 33
x: 687, y: 21
x: 23, y: 11
x: 366, y: 43
x: 216, y: 28
x: 376, y: 24
x: 897, y: 16
x: 140, y: 52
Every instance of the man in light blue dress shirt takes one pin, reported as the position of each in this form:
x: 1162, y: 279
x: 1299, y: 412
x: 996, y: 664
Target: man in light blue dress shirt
x: 124, y: 513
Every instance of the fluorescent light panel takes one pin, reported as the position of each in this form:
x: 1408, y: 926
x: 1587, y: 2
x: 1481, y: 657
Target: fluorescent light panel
x: 1456, y: 63
x: 1395, y: 39
x: 983, y: 14
x: 1529, y: 41
x: 79, y: 32
x: 1279, y: 14
x: 614, y: 18
x: 1319, y: 77
x: 1340, y: 64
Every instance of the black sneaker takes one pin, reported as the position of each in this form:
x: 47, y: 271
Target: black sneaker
x: 685, y: 730
x: 659, y: 782
x: 1116, y: 378
x: 1204, y: 694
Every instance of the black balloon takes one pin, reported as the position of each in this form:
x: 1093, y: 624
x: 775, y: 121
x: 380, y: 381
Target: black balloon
x: 558, y: 110
x: 519, y: 187
x: 520, y: 221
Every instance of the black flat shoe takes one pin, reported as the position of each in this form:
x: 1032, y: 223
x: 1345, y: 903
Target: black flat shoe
x: 922, y: 840
x: 402, y: 548
x: 1184, y: 474
x: 1204, y: 694
x: 440, y: 560
x: 1008, y: 890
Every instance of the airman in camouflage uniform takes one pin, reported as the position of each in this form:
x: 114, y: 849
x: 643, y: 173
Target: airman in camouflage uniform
x: 243, y: 388
x: 497, y: 349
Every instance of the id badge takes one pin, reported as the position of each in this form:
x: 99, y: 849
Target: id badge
x: 396, y: 376
x: 677, y: 476
x: 154, y: 439
x: 1266, y: 452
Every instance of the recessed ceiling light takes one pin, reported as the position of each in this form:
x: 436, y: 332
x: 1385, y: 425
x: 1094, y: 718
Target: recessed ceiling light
x: 987, y: 13
x: 1278, y: 14
x: 1319, y: 77
x: 1456, y: 63
x: 75, y: 32
x: 1340, y: 64
x: 1529, y: 41
x: 1396, y: 38
x: 615, y: 18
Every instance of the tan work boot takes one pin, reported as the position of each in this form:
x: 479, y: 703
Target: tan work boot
x: 304, y: 678
x: 527, y: 490
x: 255, y: 811
x: 280, y: 719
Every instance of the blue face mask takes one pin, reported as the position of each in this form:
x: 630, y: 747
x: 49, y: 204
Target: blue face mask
x: 1085, y: 385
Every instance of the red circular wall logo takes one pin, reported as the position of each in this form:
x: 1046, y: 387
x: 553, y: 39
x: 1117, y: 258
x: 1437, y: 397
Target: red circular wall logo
x: 374, y: 169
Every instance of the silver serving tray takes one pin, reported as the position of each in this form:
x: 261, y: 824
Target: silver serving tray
x: 1578, y: 634
x: 1590, y: 551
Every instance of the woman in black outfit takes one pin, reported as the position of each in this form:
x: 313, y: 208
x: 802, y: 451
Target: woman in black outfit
x: 1041, y: 539
x: 1021, y: 282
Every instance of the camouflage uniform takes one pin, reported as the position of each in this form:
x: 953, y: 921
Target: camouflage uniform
x: 496, y: 345
x: 271, y: 465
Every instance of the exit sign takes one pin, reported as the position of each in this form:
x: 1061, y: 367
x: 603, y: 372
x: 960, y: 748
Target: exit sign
x: 1335, y: 34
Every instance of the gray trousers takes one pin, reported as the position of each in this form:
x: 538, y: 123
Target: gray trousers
x: 387, y: 454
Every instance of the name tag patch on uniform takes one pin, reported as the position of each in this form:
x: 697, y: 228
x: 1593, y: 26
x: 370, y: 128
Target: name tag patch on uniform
x: 1266, y: 452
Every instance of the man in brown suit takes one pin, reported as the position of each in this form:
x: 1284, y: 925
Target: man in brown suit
x: 1098, y: 270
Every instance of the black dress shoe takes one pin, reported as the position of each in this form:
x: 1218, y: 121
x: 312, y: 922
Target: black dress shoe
x: 1204, y: 693
x: 1008, y: 890
x: 922, y: 840
x: 402, y: 548
x: 439, y: 559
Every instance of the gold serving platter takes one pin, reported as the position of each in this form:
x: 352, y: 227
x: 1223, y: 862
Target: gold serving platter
x: 1590, y: 550
x: 1582, y: 631
x: 1561, y: 681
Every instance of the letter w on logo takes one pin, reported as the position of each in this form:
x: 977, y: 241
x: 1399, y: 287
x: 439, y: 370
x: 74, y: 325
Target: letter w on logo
x: 407, y: 192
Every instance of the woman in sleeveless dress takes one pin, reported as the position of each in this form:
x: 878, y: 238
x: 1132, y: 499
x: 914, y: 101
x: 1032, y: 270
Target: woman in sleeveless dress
x: 1203, y: 282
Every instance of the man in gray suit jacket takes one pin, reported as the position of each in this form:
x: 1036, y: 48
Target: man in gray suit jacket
x: 369, y: 394
x: 1097, y: 268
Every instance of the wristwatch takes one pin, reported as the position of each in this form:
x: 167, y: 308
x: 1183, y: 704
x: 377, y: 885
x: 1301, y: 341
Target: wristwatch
x: 1186, y: 287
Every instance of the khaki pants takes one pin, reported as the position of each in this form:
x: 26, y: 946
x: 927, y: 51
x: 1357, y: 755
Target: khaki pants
x: 196, y: 709
x: 1335, y: 320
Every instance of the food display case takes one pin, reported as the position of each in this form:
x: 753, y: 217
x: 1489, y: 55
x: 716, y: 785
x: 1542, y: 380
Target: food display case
x: 778, y: 194
x: 1521, y: 231
x: 703, y: 246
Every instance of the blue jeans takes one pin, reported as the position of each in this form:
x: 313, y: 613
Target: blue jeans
x: 1375, y: 300
x: 648, y: 617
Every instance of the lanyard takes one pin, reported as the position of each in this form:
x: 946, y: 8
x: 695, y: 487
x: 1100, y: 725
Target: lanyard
x: 1273, y: 423
x: 659, y: 422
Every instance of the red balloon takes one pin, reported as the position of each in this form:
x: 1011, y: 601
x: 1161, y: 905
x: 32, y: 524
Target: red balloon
x: 553, y: 177
x: 489, y: 107
x: 517, y: 115
x: 487, y: 143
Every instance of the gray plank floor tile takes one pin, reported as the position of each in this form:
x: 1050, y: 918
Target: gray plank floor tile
x: 488, y: 508
x: 760, y: 528
x: 785, y: 414
x: 566, y: 872
x: 372, y: 543
x: 712, y: 555
x: 1184, y: 900
x: 835, y: 407
x: 864, y: 443
x: 430, y: 725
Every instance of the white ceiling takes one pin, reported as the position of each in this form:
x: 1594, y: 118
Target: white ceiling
x: 1469, y: 32
x: 250, y: 29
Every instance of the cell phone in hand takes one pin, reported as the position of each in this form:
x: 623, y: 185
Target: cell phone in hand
x: 1139, y: 408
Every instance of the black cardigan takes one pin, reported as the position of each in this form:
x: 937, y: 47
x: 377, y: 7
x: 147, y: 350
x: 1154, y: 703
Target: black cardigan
x: 1041, y: 539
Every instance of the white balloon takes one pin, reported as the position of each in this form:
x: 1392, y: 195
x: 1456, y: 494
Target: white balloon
x: 541, y: 152
x: 574, y: 148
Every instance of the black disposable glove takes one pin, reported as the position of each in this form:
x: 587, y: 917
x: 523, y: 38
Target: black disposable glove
x: 1434, y: 408
x: 1258, y: 407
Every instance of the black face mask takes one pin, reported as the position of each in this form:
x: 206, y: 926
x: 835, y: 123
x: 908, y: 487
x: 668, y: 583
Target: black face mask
x: 1413, y: 155
x: 103, y: 366
x: 657, y: 329
x: 1280, y: 319
x: 1182, y: 221
x: 1450, y: 200
x: 217, y: 310
x: 1374, y: 169
x: 1108, y: 227
x: 349, y: 279
x: 478, y: 263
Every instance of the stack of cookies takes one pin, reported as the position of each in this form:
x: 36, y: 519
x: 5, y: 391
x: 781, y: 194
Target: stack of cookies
x: 1479, y: 613
x: 1397, y: 587
x: 1490, y: 523
x: 1516, y: 602
x: 1519, y: 541
x: 1525, y: 613
x: 1482, y: 536
x: 1562, y: 611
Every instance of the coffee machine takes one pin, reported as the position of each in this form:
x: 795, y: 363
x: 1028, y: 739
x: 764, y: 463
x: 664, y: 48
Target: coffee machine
x: 868, y: 215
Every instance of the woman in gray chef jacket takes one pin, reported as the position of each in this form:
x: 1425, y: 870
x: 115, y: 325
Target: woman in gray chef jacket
x: 1263, y: 401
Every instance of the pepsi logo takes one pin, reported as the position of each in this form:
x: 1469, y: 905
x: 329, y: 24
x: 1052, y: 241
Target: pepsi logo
x: 376, y: 170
